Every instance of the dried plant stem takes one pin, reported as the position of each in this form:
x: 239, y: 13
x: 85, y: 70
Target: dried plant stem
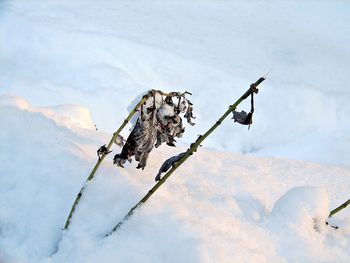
x: 100, y: 160
x: 190, y: 151
x: 341, y: 207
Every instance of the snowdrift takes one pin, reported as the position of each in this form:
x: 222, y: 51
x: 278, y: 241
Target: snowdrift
x: 102, y: 55
x: 217, y: 207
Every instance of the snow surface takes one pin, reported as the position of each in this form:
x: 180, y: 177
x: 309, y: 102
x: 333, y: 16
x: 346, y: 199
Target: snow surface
x: 73, y: 116
x: 66, y: 66
x: 102, y: 54
x: 219, y: 207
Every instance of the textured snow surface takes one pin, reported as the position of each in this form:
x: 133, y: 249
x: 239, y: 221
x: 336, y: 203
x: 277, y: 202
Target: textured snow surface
x: 101, y: 54
x: 72, y: 116
x: 218, y: 207
x: 66, y: 66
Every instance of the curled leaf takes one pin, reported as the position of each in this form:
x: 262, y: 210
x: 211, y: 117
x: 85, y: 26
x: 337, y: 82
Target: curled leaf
x: 168, y: 164
x: 159, y: 122
x: 189, y: 115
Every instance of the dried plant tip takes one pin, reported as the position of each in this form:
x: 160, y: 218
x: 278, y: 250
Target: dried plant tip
x: 159, y: 122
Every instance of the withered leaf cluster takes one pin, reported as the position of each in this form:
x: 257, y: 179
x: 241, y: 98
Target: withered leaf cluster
x: 159, y: 122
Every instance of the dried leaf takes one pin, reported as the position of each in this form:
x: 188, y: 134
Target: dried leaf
x: 168, y: 164
x: 159, y: 122
x: 242, y: 117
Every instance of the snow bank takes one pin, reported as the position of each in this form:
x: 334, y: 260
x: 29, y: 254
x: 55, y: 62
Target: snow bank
x: 72, y: 116
x: 35, y: 155
x: 13, y: 101
x: 68, y: 115
x: 297, y: 224
x: 301, y: 204
x: 101, y: 55
x: 217, y: 207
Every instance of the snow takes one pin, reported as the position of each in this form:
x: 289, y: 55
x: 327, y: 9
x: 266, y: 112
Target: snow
x: 67, y: 115
x: 246, y: 196
x: 217, y: 207
x: 103, y: 55
x: 15, y: 101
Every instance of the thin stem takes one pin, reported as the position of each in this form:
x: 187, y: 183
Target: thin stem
x: 115, y: 135
x: 341, y: 207
x: 189, y: 152
x: 97, y: 165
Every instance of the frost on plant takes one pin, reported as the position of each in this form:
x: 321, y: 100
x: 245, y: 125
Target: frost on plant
x: 159, y: 122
